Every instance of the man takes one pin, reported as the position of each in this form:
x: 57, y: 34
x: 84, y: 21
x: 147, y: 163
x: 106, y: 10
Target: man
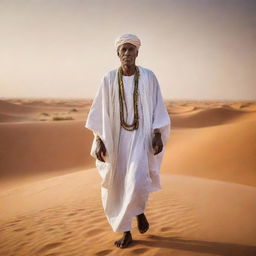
x: 131, y: 127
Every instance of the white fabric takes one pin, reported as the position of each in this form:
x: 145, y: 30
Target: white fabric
x: 128, y: 38
x: 131, y: 169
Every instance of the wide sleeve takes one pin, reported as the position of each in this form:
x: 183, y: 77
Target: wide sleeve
x: 161, y: 119
x: 98, y: 120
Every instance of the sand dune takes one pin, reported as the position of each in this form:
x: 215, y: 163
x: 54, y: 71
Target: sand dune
x: 208, y: 117
x: 44, y: 147
x: 38, y: 110
x: 12, y: 117
x: 247, y: 106
x: 11, y: 108
x: 63, y: 216
x: 50, y: 197
x: 216, y: 147
x: 220, y: 129
x: 180, y: 108
x: 48, y: 103
x: 10, y: 112
x: 225, y: 152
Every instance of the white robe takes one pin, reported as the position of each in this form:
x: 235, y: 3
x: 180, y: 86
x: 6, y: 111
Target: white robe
x: 131, y: 170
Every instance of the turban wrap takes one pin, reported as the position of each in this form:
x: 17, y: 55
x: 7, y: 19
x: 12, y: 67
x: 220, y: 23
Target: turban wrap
x: 128, y: 38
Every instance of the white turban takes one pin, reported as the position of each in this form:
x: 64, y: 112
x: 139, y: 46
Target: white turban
x: 128, y: 38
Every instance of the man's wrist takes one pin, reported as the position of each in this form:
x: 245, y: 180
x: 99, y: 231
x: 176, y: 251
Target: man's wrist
x: 157, y: 132
x: 98, y: 139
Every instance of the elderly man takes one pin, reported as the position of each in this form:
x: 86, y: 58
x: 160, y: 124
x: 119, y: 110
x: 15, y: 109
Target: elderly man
x: 131, y: 127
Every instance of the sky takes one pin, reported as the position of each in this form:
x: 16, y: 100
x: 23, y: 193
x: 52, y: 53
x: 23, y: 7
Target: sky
x: 198, y: 49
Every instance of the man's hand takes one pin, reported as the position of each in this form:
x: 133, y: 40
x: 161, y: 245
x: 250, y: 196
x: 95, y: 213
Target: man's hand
x: 157, y: 143
x: 100, y: 149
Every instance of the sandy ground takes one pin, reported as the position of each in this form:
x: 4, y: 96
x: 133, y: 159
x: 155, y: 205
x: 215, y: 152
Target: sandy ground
x: 50, y: 200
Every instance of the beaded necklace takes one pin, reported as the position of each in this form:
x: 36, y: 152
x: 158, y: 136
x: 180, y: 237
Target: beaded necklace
x: 122, y: 102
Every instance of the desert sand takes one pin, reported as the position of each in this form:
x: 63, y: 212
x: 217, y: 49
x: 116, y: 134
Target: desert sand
x: 50, y: 202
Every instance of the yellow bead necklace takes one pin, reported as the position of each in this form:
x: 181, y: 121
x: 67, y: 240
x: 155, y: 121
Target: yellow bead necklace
x: 122, y: 101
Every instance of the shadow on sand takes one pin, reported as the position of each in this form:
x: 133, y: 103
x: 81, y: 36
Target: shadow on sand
x: 215, y: 248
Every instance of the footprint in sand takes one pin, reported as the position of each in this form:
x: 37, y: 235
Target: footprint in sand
x: 165, y: 229
x: 102, y: 253
x: 50, y: 246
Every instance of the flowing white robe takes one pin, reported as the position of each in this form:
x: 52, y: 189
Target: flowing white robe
x: 131, y: 170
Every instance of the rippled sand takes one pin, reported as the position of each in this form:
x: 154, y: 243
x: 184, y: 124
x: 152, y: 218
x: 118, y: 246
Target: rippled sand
x: 50, y: 191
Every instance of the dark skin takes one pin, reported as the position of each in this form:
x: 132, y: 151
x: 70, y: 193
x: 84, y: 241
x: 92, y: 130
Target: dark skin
x: 127, y: 54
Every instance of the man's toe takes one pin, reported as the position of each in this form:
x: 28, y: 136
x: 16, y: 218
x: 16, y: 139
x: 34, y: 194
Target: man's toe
x: 124, y: 245
x: 117, y: 243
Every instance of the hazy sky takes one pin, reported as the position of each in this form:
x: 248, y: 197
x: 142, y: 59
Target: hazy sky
x: 198, y: 49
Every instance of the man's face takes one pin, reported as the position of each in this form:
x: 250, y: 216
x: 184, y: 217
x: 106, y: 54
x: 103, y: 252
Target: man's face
x: 127, y: 53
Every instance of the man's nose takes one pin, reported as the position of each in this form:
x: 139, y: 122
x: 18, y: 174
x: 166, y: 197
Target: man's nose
x: 127, y: 52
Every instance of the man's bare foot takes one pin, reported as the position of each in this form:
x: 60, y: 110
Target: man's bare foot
x: 125, y: 240
x: 143, y: 224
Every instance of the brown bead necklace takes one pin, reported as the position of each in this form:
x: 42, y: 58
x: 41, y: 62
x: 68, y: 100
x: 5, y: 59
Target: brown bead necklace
x: 122, y: 102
